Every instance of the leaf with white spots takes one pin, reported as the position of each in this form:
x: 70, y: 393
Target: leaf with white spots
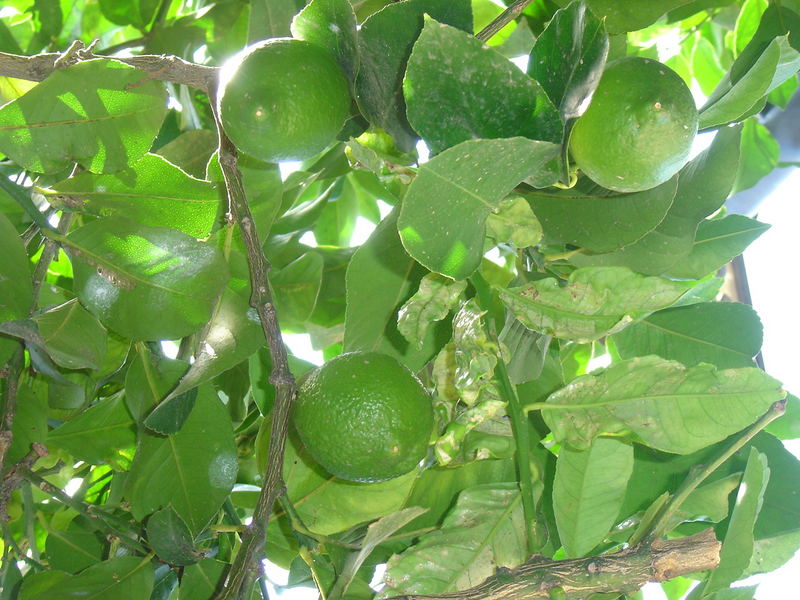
x: 670, y: 407
x: 484, y: 530
x: 442, y: 221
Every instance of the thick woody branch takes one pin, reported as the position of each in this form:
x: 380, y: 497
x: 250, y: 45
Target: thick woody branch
x: 161, y: 67
x: 246, y: 566
x: 622, y: 572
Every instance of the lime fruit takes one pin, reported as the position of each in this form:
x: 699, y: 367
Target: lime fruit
x: 283, y: 99
x: 364, y: 417
x: 638, y: 128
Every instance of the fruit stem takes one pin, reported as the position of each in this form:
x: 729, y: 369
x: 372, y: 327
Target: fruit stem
x: 519, y: 426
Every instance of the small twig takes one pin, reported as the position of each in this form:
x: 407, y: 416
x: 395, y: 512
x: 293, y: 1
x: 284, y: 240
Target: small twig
x: 246, y: 566
x: 161, y: 67
x: 661, y: 523
x: 503, y: 19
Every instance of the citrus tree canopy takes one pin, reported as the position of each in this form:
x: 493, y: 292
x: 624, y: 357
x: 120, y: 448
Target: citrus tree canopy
x: 499, y: 230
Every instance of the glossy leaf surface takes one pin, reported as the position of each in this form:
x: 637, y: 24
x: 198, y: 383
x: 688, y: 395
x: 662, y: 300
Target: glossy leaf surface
x: 101, y: 114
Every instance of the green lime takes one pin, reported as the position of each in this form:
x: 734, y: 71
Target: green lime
x: 364, y: 417
x: 638, y: 128
x: 283, y: 99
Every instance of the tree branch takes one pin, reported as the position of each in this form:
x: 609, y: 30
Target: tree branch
x: 622, y: 572
x: 161, y: 67
x: 246, y: 566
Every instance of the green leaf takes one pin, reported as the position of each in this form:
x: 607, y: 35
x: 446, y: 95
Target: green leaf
x: 776, y: 21
x: 443, y: 216
x: 788, y: 426
x: 151, y: 192
x: 747, y: 22
x: 201, y: 580
x: 149, y: 379
x: 328, y: 505
x: 432, y: 302
x: 100, y: 113
x: 138, y: 13
x: 72, y: 336
x: 588, y: 492
x: 170, y: 538
x: 600, y: 220
x: 30, y: 422
x: 737, y: 547
x: 330, y: 24
x: 733, y: 99
x: 296, y: 288
x: 270, y: 19
x: 143, y: 282
x: 485, y: 529
x: 527, y: 350
x: 760, y: 155
x: 437, y: 488
x: 191, y: 151
x: 739, y: 593
x: 595, y: 302
x: 380, y: 278
x: 169, y: 416
x: 703, y: 185
x: 377, y: 532
x: 717, y: 242
x: 127, y: 578
x: 385, y: 41
x: 74, y: 548
x: 193, y: 470
x: 669, y: 406
x: 725, y: 334
x: 16, y: 292
x: 231, y: 335
x: 630, y: 15
x: 99, y: 433
x: 514, y: 222
x: 568, y: 58
x: 450, y: 89
x: 475, y: 356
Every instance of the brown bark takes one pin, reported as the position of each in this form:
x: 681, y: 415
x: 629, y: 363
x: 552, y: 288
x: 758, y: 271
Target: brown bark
x: 622, y: 572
